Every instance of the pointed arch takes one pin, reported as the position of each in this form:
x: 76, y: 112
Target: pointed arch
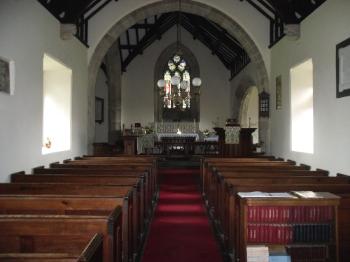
x: 188, y: 6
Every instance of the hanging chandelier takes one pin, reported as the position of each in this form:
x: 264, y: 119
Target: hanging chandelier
x: 176, y: 85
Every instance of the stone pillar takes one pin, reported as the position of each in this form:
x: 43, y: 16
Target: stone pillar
x: 113, y: 66
x: 264, y: 133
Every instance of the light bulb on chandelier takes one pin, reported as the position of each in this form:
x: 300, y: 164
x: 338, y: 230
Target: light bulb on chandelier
x: 161, y: 83
x: 196, y: 81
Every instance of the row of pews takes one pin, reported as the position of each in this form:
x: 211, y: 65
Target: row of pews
x: 223, y: 178
x: 88, y: 209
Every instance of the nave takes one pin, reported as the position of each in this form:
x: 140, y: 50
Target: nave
x: 180, y: 229
x: 101, y: 209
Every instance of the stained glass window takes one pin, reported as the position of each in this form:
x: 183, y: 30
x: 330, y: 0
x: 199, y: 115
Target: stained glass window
x: 177, y: 95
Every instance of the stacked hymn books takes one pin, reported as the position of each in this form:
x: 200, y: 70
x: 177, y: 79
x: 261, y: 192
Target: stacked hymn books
x: 289, y: 224
x: 257, y: 254
x: 278, y: 254
x: 303, y: 223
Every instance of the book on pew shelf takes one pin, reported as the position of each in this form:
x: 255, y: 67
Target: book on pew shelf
x: 314, y: 195
x: 265, y: 194
x: 257, y: 253
x: 278, y: 254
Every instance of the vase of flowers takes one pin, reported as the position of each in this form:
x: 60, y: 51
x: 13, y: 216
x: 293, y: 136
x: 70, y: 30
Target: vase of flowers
x: 259, y: 147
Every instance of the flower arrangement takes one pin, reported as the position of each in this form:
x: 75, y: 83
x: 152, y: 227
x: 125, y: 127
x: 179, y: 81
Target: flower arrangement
x: 148, y: 130
x: 259, y: 146
x: 206, y: 133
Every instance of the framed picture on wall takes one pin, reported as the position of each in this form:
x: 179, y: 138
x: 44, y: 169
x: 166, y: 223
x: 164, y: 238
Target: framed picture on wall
x: 279, y: 92
x: 99, y: 110
x: 7, y: 76
x: 343, y: 68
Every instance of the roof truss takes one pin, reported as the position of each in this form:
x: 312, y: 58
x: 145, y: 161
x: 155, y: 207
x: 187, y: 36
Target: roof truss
x: 223, y: 45
x: 282, y: 12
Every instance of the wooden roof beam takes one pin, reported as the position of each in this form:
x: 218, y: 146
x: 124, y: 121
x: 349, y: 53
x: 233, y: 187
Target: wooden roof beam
x: 223, y: 36
x: 285, y: 10
x: 161, y: 26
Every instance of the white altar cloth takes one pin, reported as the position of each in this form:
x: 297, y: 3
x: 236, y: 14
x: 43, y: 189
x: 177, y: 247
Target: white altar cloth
x: 161, y: 135
x: 211, y: 138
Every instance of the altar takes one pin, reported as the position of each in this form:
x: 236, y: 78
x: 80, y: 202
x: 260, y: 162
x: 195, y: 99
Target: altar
x: 162, y: 136
x: 184, y: 138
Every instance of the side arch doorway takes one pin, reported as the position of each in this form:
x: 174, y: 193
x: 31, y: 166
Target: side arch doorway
x: 249, y: 111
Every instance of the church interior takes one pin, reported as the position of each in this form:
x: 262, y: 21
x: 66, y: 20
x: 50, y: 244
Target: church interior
x: 174, y: 130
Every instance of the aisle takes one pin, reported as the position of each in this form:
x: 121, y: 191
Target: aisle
x: 180, y: 229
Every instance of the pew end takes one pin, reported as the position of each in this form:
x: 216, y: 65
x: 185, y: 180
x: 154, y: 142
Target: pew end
x: 18, y: 173
x: 37, y: 168
x: 306, y: 167
x: 291, y: 162
x: 323, y: 171
x: 54, y: 163
x: 341, y: 175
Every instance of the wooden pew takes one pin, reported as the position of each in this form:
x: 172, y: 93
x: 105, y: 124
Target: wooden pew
x: 248, y: 166
x: 221, y: 209
x: 338, y: 189
x: 119, y: 158
x: 59, y: 205
x: 81, y: 249
x: 139, y: 216
x: 136, y: 182
x: 123, y: 195
x: 132, y: 163
x: 104, y: 172
x: 233, y: 172
x: 117, y: 170
x: 204, y: 162
x: 216, y: 196
x: 39, y: 233
x: 233, y: 177
x: 291, y: 169
x: 127, y: 159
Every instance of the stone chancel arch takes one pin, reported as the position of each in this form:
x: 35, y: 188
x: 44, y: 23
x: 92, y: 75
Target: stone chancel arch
x: 192, y: 7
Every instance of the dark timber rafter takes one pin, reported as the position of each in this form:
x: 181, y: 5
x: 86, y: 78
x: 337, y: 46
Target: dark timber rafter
x: 282, y: 12
x: 163, y: 24
x: 224, y: 46
x: 77, y: 12
x: 278, y: 12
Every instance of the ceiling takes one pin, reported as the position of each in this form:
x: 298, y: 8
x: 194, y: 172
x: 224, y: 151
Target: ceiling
x: 224, y: 46
x: 138, y: 37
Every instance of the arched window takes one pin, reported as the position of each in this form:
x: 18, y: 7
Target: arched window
x: 177, y: 89
x: 170, y: 103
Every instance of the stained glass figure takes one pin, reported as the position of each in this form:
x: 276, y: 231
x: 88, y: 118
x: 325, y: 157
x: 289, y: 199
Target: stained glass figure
x: 177, y: 95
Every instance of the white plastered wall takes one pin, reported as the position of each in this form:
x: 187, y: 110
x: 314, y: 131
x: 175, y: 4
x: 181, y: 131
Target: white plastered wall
x: 320, y: 33
x: 239, y: 85
x: 137, y: 92
x: 254, y: 23
x: 28, y: 31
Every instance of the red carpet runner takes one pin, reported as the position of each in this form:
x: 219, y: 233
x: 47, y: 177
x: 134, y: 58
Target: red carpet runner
x: 180, y: 229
